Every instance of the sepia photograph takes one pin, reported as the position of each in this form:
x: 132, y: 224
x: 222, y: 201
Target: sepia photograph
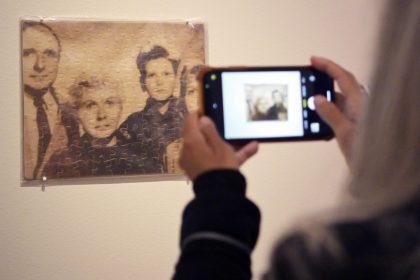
x: 266, y: 102
x: 106, y: 98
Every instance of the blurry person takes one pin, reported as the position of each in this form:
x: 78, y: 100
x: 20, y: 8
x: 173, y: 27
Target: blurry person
x: 260, y: 111
x: 98, y: 107
x: 189, y: 86
x: 279, y: 110
x: 43, y: 128
x: 188, y: 102
x: 159, y: 123
x: 376, y: 235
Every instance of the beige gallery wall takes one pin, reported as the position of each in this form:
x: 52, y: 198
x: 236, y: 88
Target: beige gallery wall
x: 130, y: 230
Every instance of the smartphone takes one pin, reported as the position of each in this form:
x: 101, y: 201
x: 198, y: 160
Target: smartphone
x: 266, y: 103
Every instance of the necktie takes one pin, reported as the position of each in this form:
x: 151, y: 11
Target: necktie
x: 44, y: 132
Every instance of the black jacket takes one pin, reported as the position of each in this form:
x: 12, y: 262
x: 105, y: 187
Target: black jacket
x: 220, y: 228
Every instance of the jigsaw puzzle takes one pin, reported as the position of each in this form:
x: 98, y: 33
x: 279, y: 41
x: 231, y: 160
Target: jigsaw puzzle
x: 106, y: 98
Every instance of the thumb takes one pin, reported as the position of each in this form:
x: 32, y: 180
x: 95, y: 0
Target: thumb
x: 330, y: 113
x: 246, y: 152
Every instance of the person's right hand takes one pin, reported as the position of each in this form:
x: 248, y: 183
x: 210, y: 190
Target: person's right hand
x: 344, y: 115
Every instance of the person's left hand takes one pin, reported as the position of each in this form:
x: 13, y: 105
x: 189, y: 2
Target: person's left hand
x: 204, y: 149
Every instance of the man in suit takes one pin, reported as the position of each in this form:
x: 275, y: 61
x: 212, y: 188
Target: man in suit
x: 43, y: 129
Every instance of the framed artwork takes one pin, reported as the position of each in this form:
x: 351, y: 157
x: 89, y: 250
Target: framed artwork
x: 106, y: 98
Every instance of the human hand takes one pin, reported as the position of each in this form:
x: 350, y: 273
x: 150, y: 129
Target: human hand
x: 244, y: 152
x: 205, y: 150
x: 344, y: 115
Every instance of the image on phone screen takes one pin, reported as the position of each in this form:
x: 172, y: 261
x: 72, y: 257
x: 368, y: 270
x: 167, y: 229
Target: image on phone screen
x: 267, y: 104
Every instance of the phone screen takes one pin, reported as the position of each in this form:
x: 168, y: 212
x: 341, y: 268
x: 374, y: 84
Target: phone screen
x: 267, y: 103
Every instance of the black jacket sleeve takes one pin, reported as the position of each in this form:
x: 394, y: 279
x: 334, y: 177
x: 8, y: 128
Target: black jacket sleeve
x: 219, y: 229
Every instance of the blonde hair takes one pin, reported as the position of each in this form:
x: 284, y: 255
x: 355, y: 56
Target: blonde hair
x: 386, y: 164
x: 387, y: 159
x: 89, y: 81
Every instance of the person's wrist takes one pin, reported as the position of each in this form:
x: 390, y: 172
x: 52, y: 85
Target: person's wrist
x: 204, y: 167
x: 220, y: 180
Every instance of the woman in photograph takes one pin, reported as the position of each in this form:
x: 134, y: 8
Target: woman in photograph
x: 97, y: 106
x: 188, y: 103
x: 261, y: 107
x: 159, y: 123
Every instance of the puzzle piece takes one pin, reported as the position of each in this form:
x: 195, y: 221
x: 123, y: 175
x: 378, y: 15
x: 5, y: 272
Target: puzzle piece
x: 117, y: 109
